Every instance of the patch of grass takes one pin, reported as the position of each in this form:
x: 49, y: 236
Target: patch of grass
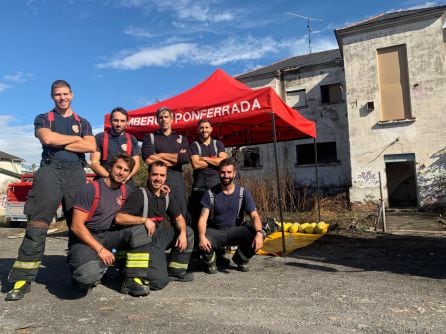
x: 301, y: 204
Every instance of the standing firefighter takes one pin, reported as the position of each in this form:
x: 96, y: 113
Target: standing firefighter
x: 166, y: 228
x: 206, y: 155
x: 171, y: 148
x: 220, y: 222
x: 112, y: 142
x: 65, y: 139
x: 95, y: 236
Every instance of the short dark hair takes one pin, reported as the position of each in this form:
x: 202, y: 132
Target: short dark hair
x: 204, y: 120
x: 59, y: 84
x: 163, y: 109
x: 121, y: 110
x: 157, y: 163
x: 227, y: 162
x: 127, y: 159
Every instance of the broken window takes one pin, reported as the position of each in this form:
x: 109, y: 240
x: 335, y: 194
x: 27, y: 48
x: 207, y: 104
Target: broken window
x: 331, y: 93
x: 296, y: 98
x: 251, y: 157
x: 394, y: 83
x: 326, y: 153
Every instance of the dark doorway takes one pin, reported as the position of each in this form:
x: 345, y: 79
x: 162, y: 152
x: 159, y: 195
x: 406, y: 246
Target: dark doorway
x: 401, y: 183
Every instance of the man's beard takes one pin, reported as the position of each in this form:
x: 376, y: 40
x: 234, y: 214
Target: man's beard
x: 118, y: 131
x: 226, y: 181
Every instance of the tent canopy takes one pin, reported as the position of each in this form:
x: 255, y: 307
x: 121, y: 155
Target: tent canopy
x: 239, y: 115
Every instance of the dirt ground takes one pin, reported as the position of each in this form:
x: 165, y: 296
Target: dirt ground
x: 347, y: 281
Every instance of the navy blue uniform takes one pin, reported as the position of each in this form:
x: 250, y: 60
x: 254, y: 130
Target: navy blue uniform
x: 204, y: 179
x: 208, y: 177
x: 225, y: 226
x: 60, y: 176
x: 85, y: 264
x: 164, y: 237
x: 116, y: 144
x: 172, y: 143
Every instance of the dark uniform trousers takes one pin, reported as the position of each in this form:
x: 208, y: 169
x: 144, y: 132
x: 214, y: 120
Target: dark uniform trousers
x: 201, y: 184
x: 54, y: 183
x: 88, y: 269
x: 176, y: 263
x: 177, y: 190
x: 240, y: 236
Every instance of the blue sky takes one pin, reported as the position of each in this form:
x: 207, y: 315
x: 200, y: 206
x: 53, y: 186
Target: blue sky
x: 131, y: 53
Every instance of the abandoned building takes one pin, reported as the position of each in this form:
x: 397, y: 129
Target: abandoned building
x: 10, y: 169
x: 314, y: 85
x: 379, y: 108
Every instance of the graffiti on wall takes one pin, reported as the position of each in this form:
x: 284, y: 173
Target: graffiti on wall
x: 367, y: 177
x: 432, y: 180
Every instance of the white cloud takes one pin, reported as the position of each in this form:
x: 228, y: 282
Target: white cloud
x: 19, y: 140
x: 134, y: 3
x: 317, y: 45
x: 423, y: 5
x: 162, y: 56
x: 3, y: 87
x: 97, y: 128
x: 18, y: 77
x: 392, y: 10
x: 238, y: 49
x: 191, y: 10
x: 138, y: 32
x: 230, y: 50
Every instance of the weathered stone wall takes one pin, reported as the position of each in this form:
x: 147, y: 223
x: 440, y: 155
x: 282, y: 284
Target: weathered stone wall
x: 424, y: 136
x: 331, y: 121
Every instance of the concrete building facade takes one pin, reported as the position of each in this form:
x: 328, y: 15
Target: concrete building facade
x: 395, y: 74
x: 379, y: 106
x: 313, y: 84
x: 10, y: 169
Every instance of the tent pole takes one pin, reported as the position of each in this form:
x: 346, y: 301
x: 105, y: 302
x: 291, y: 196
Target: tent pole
x: 279, y: 192
x: 317, y: 181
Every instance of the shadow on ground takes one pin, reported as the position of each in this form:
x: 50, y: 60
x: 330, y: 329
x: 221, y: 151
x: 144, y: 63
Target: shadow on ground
x: 54, y: 274
x: 407, y: 255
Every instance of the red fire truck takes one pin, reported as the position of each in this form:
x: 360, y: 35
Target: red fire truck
x: 16, y: 196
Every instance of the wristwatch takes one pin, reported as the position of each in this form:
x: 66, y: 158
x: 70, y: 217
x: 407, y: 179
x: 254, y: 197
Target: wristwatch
x: 259, y: 231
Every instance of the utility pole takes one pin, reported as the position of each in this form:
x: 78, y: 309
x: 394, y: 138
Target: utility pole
x: 308, y: 26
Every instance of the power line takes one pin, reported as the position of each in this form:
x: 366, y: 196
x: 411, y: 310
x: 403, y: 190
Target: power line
x: 308, y: 25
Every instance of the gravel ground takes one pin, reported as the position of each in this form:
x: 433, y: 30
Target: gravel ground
x: 351, y: 282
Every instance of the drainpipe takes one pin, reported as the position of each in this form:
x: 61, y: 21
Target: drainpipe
x: 280, y: 86
x: 382, y: 209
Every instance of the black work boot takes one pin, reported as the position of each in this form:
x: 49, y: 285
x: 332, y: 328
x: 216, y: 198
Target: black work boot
x: 18, y: 291
x: 243, y: 267
x: 210, y: 262
x: 183, y: 277
x: 83, y: 289
x: 241, y: 261
x: 134, y: 286
x: 222, y: 260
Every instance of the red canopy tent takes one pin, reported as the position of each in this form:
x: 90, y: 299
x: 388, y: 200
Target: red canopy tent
x: 239, y: 115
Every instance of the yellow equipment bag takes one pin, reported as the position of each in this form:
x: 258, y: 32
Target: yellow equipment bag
x: 272, y: 244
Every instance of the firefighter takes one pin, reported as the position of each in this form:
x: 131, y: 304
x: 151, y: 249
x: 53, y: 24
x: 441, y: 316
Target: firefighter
x: 166, y: 227
x: 65, y: 139
x: 112, y: 142
x: 95, y: 236
x: 221, y: 221
x: 206, y: 155
x: 173, y: 149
